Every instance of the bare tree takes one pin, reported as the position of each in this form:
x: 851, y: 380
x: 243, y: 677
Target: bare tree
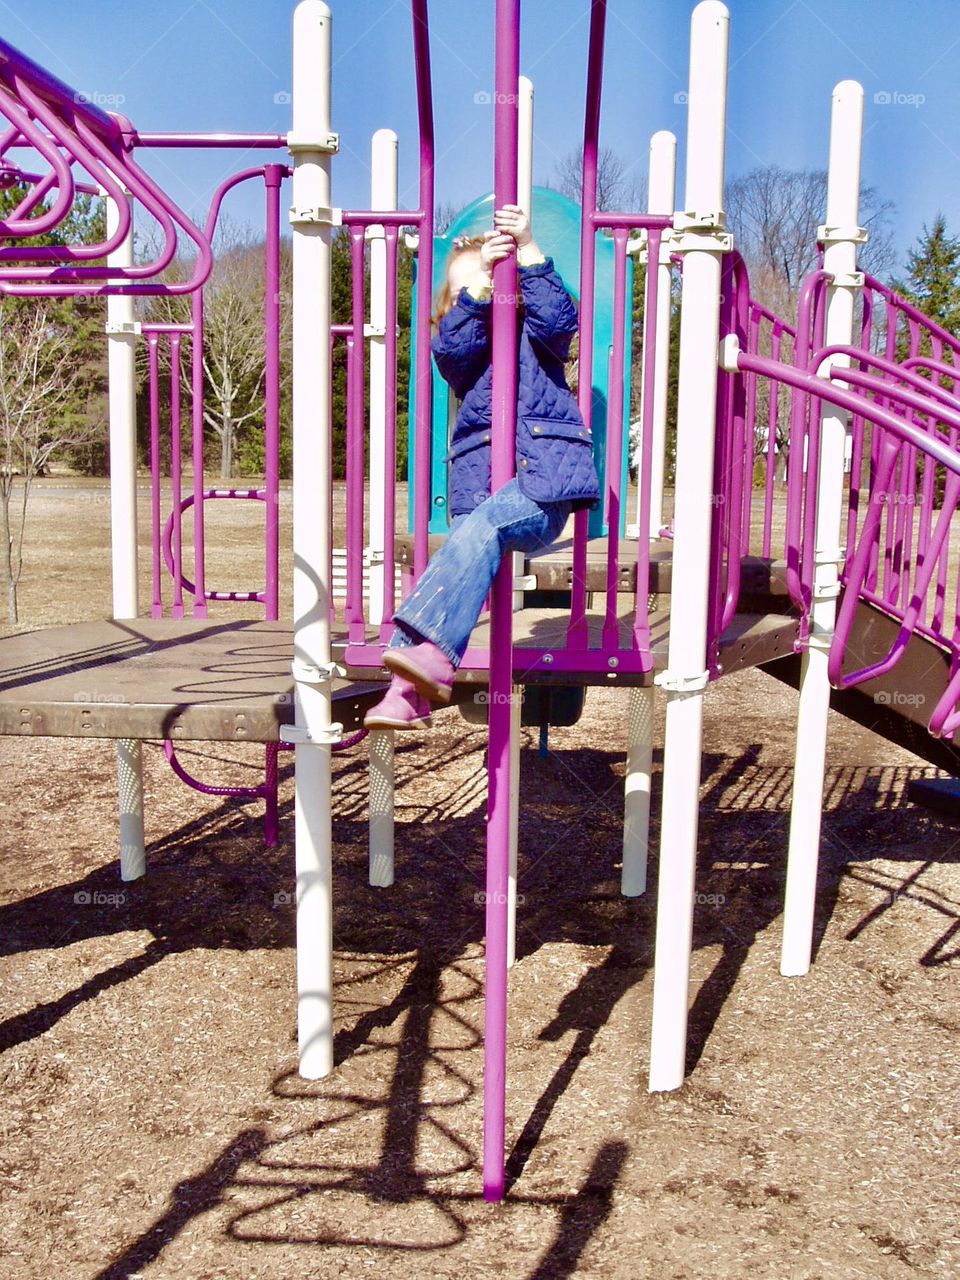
x: 619, y: 186
x: 41, y: 381
x: 774, y: 214
x: 443, y: 217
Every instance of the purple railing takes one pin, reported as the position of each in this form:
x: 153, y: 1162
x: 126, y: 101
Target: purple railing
x: 904, y: 473
x: 607, y: 650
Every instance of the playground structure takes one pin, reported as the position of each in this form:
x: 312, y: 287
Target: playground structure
x: 843, y: 588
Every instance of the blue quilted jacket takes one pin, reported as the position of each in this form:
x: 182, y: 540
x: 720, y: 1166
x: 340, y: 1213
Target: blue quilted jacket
x: 554, y: 449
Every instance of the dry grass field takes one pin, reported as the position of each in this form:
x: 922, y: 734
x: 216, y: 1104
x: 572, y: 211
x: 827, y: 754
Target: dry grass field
x: 153, y: 1123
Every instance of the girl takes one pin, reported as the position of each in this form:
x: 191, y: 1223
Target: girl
x: 555, y: 471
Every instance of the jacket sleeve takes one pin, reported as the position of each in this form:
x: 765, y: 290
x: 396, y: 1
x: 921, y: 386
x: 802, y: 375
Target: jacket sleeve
x: 551, y: 317
x: 462, y: 344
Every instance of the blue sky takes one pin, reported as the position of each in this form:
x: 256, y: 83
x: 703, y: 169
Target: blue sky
x: 220, y: 64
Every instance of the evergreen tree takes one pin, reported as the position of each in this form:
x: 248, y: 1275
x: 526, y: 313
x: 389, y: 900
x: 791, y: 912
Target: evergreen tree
x: 933, y: 275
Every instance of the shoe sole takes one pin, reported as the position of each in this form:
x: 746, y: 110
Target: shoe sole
x: 395, y: 661
x: 390, y: 722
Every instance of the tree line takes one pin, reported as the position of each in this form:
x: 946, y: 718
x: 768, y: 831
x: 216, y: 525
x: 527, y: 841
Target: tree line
x: 53, y: 360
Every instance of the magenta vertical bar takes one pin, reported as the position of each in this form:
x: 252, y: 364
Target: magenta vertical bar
x: 942, y: 552
x: 577, y: 634
x: 614, y: 468
x: 196, y: 386
x: 750, y: 428
x: 333, y: 605
x: 176, y: 485
x: 773, y: 413
x: 390, y: 439
x: 273, y: 176
x: 154, y: 380
x: 504, y: 423
x: 858, y: 428
x: 422, y: 430
x: 356, y: 362
x: 641, y: 625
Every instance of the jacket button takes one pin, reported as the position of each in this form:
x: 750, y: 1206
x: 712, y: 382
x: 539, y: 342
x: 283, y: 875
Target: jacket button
x: 523, y: 462
x: 536, y: 428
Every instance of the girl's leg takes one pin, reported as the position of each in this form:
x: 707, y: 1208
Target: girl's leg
x: 446, y: 603
x: 402, y: 636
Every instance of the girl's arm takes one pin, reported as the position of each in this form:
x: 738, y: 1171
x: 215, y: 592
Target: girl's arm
x: 462, y: 345
x: 550, y: 314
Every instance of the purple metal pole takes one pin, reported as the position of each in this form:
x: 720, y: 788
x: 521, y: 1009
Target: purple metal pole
x: 154, y: 384
x: 577, y: 634
x: 176, y: 464
x: 356, y: 364
x: 390, y: 439
x: 641, y: 626
x: 614, y: 471
x: 423, y: 373
x: 246, y: 141
x: 273, y: 175
x: 504, y: 422
x: 196, y: 383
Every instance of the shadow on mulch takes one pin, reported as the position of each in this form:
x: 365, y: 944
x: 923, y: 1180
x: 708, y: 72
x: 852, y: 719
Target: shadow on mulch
x: 213, y: 885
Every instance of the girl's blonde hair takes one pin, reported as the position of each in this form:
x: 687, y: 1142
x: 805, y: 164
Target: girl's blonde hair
x: 446, y: 298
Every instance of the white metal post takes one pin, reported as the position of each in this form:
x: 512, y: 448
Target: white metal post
x: 311, y: 144
x: 662, y: 197
x: 839, y: 236
x: 383, y: 195
x: 122, y: 401
x: 703, y: 245
x: 636, y: 795
x: 381, y: 807
x: 640, y: 704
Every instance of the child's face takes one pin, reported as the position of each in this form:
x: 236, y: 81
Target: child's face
x: 462, y: 269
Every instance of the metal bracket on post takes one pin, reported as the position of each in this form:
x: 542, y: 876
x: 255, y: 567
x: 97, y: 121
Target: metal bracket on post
x: 314, y: 676
x: 306, y: 673
x: 728, y: 355
x: 826, y: 578
x: 317, y: 215
x: 700, y: 231
x: 833, y: 235
x: 671, y: 242
x: 296, y: 735
x: 117, y: 327
x: 328, y: 145
x: 525, y: 582
x: 682, y: 686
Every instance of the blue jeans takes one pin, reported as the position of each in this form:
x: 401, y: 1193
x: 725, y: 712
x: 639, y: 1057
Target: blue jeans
x: 446, y: 602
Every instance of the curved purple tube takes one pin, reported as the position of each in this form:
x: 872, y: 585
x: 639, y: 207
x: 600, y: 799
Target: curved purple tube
x: 52, y: 154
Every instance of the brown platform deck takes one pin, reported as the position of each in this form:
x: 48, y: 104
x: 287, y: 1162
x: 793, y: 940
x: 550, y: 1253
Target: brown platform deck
x: 231, y: 681
x: 552, y: 567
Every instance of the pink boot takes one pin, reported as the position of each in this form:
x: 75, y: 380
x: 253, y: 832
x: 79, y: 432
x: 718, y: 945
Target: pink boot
x: 427, y: 668
x: 401, y: 707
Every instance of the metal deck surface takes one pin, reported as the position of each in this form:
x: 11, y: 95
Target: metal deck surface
x: 231, y: 681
